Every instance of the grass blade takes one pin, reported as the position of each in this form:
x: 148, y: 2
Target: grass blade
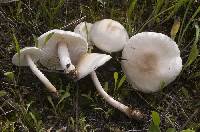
x: 153, y: 18
x: 51, y: 102
x: 2, y: 93
x: 130, y: 14
x: 177, y: 6
x: 190, y: 21
x: 131, y: 8
x: 66, y: 95
x: 116, y: 78
x: 58, y: 7
x: 17, y: 47
x: 9, y: 75
x: 121, y: 81
x: 156, y: 118
x: 175, y: 28
x: 194, y: 50
x: 183, y: 20
x: 195, y: 75
x: 48, y: 37
x: 158, y: 7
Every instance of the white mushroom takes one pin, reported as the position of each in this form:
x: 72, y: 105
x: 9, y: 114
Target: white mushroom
x: 27, y: 57
x: 84, y: 29
x: 129, y: 111
x: 62, y: 48
x: 151, y: 59
x: 109, y: 35
x: 90, y: 62
x: 87, y: 65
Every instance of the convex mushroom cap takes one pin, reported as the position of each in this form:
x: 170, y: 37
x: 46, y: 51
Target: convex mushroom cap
x: 109, y: 35
x: 33, y: 52
x: 84, y: 29
x: 90, y: 62
x: 63, y: 49
x: 28, y: 57
x: 151, y: 59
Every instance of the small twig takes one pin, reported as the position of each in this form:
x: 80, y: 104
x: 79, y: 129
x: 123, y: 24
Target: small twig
x: 74, y: 22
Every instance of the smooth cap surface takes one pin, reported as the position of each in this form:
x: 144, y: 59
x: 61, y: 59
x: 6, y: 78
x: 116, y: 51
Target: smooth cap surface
x: 20, y: 59
x: 109, y: 35
x: 76, y: 44
x: 90, y: 62
x: 151, y: 59
x: 84, y: 29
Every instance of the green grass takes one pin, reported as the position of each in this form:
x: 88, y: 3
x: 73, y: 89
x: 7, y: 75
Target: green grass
x: 26, y: 106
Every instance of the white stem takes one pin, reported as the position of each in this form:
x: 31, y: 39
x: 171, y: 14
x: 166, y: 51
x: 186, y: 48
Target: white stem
x: 64, y: 57
x: 123, y: 108
x: 40, y: 75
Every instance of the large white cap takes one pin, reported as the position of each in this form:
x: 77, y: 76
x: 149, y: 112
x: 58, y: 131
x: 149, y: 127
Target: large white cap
x: 76, y: 45
x: 33, y: 52
x: 109, y: 35
x: 151, y: 59
x: 90, y: 62
x: 84, y: 29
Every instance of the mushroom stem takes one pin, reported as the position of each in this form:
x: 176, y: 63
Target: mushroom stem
x: 65, y: 60
x: 40, y: 75
x: 130, y: 112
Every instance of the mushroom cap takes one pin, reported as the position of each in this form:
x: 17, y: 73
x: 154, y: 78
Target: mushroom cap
x: 20, y: 59
x: 84, y: 29
x: 150, y: 59
x: 76, y: 45
x: 90, y: 62
x: 109, y: 35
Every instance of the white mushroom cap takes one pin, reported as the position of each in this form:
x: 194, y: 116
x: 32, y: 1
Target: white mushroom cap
x: 76, y: 45
x: 27, y: 57
x: 109, y: 35
x: 84, y: 29
x: 20, y: 59
x: 150, y: 59
x: 90, y: 62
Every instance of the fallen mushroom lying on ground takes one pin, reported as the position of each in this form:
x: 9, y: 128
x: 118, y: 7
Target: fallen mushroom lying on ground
x: 28, y: 56
x: 87, y: 65
x: 62, y: 50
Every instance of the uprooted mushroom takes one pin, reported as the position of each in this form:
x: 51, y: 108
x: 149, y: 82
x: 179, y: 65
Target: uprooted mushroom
x: 88, y: 63
x: 28, y: 57
x: 62, y: 50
